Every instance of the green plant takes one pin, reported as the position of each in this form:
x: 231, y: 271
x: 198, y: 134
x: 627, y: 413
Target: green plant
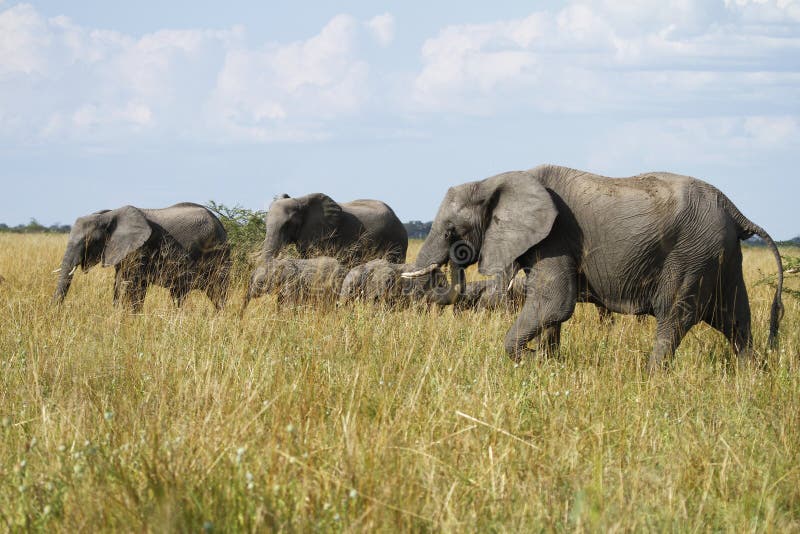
x: 245, y: 229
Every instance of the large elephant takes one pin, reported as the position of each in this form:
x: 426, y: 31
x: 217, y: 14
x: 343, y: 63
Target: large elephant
x: 381, y: 282
x: 352, y: 232
x: 659, y: 244
x: 182, y: 247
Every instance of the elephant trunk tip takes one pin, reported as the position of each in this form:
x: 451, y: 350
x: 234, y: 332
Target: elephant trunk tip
x: 58, y: 296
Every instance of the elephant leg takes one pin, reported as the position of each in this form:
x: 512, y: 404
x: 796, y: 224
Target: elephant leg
x: 551, y: 295
x: 218, y: 281
x: 135, y: 293
x: 178, y: 293
x: 550, y: 339
x: 670, y: 330
x: 606, y: 317
x: 218, y: 297
x: 732, y: 317
x: 119, y: 284
x: 217, y: 290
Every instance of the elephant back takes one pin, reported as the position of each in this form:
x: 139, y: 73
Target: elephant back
x: 381, y: 233
x: 192, y: 226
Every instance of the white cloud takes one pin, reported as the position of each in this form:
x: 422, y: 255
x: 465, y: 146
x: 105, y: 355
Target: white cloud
x: 314, y: 80
x: 59, y: 80
x: 602, y: 56
x: 382, y: 28
x: 22, y: 38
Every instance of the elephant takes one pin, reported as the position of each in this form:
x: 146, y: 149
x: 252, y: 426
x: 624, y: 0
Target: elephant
x: 182, y: 247
x: 380, y: 282
x: 660, y: 244
x: 352, y: 232
x: 297, y: 281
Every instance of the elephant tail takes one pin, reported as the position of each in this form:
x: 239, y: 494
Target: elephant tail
x: 747, y: 229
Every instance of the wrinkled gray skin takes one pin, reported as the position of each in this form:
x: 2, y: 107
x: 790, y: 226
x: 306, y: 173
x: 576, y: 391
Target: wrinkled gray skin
x: 380, y: 282
x: 297, y: 281
x: 352, y: 232
x: 496, y: 293
x: 182, y: 247
x: 659, y: 244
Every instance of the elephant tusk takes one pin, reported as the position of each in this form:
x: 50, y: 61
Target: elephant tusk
x: 56, y: 270
x: 510, y: 285
x: 73, y: 270
x: 421, y: 272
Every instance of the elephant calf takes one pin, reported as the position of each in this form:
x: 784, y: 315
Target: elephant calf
x: 491, y: 294
x: 182, y: 247
x: 297, y: 281
x: 380, y: 282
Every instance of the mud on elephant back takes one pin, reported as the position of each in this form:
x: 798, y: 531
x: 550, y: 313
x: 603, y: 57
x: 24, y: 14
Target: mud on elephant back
x: 182, y: 247
x: 659, y: 244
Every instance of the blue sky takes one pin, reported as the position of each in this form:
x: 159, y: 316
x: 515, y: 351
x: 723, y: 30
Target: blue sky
x: 150, y: 103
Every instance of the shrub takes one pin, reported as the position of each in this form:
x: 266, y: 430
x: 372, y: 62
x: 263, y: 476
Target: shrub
x: 246, y: 230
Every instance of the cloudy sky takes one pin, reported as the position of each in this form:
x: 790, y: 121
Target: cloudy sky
x: 150, y: 103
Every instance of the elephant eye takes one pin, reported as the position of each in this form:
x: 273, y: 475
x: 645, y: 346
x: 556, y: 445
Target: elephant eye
x: 448, y: 234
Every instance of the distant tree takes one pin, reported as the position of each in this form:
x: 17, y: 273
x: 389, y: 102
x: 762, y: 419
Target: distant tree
x: 246, y: 230
x: 791, y: 270
x: 418, y: 229
x: 34, y: 227
x: 59, y: 228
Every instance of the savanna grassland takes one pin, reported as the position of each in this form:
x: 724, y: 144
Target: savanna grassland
x: 363, y: 419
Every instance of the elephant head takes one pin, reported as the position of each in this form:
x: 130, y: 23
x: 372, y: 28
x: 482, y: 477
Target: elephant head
x: 492, y: 222
x: 304, y: 221
x: 106, y: 236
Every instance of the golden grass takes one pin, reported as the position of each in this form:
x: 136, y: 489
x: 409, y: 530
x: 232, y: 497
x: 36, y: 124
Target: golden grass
x: 362, y: 419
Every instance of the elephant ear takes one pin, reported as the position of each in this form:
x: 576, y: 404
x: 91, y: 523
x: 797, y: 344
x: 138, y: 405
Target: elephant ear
x: 129, y: 230
x: 324, y: 214
x: 520, y: 214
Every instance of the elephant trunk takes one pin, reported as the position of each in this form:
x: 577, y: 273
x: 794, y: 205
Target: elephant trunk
x: 255, y: 287
x: 435, y: 251
x: 69, y: 264
x: 454, y: 291
x: 272, y: 242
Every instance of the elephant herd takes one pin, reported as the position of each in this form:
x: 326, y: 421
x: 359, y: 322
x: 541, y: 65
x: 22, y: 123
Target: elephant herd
x: 656, y: 244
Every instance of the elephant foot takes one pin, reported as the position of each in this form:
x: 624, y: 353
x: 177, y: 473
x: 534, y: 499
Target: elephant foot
x: 657, y: 364
x: 520, y: 355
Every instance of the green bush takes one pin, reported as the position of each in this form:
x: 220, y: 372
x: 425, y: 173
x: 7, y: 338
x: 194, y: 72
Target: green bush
x: 246, y: 230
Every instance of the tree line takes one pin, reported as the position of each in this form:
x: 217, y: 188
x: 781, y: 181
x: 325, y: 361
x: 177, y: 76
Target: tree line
x: 243, y: 224
x: 34, y: 227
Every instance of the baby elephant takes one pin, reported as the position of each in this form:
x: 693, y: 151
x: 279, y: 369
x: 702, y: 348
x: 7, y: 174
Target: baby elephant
x: 379, y: 282
x: 297, y: 281
x: 491, y: 294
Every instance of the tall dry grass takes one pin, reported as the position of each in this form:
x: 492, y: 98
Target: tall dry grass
x: 363, y: 419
